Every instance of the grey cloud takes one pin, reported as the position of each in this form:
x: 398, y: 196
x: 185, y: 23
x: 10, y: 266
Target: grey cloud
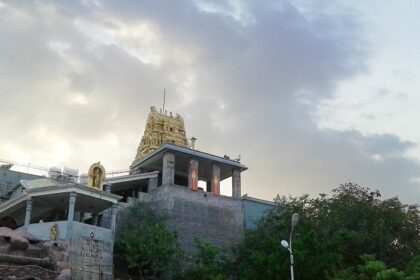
x: 384, y: 144
x: 383, y: 92
x: 386, y: 93
x: 369, y: 116
x: 402, y: 96
x: 248, y: 89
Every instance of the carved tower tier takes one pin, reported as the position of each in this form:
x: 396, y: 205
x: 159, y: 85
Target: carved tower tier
x: 161, y: 129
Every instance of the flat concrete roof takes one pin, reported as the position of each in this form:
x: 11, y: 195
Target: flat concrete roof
x: 125, y: 182
x: 130, y: 178
x: 153, y: 162
x: 258, y: 200
x: 49, y: 198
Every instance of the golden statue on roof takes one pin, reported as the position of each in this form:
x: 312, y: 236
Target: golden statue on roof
x: 161, y: 129
x: 96, y: 176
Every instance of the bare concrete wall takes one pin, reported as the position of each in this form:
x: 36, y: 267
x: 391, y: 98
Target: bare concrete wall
x: 215, y: 219
x: 91, y: 253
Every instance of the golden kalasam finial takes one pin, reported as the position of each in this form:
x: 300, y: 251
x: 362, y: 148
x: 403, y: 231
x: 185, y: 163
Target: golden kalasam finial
x: 96, y: 176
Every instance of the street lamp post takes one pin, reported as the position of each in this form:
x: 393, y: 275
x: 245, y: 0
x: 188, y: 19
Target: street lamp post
x: 285, y: 244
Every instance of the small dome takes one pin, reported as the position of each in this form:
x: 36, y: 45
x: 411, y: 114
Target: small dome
x: 71, y: 174
x: 54, y: 172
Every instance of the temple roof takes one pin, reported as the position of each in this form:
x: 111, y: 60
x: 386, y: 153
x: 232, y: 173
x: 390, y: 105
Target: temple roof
x: 53, y: 197
x: 37, y: 183
x: 153, y: 162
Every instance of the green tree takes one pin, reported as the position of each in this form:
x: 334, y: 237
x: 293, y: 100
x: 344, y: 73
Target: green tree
x: 413, y: 269
x: 209, y: 262
x: 331, y: 236
x: 371, y: 269
x: 148, y: 246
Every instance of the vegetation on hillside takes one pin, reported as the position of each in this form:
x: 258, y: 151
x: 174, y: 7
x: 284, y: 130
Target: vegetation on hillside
x: 148, y: 246
x: 351, y: 235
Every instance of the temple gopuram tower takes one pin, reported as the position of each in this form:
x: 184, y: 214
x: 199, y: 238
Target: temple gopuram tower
x: 161, y: 129
x: 184, y: 183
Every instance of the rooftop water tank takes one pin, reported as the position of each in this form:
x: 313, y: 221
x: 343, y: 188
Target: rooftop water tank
x: 71, y: 174
x: 54, y: 173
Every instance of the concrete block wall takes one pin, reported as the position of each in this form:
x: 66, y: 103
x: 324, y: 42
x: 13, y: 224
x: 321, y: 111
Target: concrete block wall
x: 105, y: 220
x: 145, y: 197
x: 90, y: 258
x: 214, y: 219
x: 254, y: 209
x: 122, y: 217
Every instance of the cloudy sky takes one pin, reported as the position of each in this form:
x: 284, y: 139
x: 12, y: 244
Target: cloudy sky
x: 311, y: 94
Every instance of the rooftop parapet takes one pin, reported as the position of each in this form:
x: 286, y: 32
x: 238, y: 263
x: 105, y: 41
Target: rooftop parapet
x: 183, y: 166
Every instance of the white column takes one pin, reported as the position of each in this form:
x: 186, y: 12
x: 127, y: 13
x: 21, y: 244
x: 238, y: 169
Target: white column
x: 236, y: 183
x: 113, y: 218
x: 168, y: 169
x: 28, y: 213
x: 70, y: 217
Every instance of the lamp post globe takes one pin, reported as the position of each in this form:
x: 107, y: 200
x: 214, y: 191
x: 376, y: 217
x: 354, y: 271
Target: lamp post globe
x: 288, y: 245
x: 285, y: 244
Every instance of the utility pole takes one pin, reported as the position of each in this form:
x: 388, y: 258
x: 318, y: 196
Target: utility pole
x: 164, y: 97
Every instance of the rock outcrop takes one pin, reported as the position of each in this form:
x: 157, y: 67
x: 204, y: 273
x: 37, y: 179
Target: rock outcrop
x: 24, y: 256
